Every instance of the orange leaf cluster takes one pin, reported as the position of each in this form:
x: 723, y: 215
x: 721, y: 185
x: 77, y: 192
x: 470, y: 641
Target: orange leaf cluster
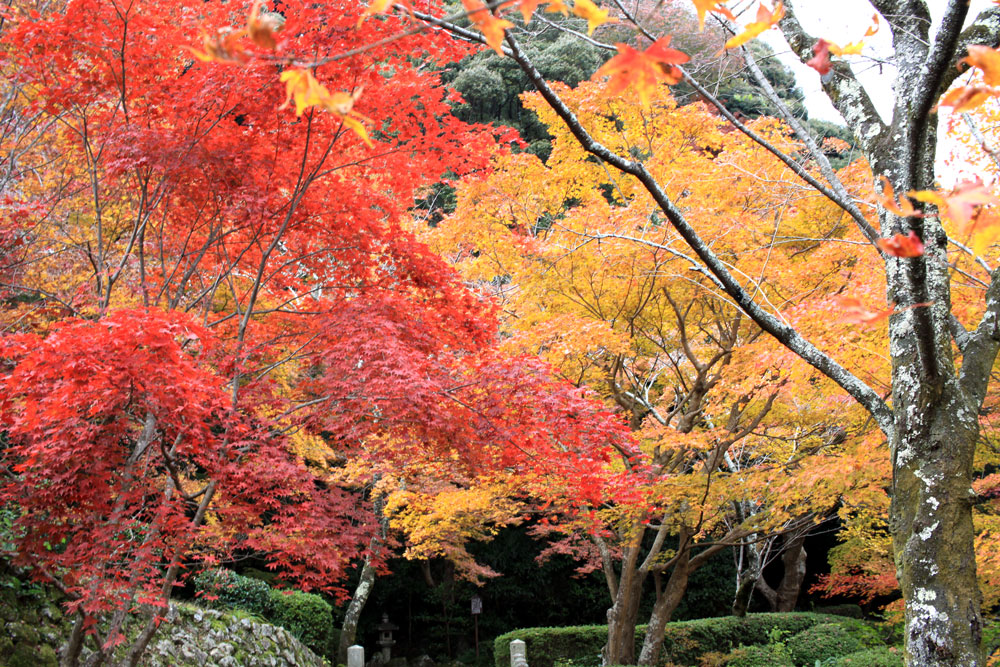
x: 261, y: 27
x: 853, y: 311
x: 225, y: 45
x: 766, y: 19
x: 963, y: 208
x: 902, y: 246
x: 303, y: 88
x: 823, y: 49
x: 643, y: 70
x: 821, y: 57
x: 900, y: 206
x: 488, y: 24
x: 964, y: 98
x: 961, y: 204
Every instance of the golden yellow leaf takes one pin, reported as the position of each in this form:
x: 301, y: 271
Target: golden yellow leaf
x: 355, y: 125
x: 557, y: 6
x: 766, y: 19
x: 705, y: 6
x: 374, y: 7
x: 595, y: 15
x: 302, y: 87
x: 852, y: 49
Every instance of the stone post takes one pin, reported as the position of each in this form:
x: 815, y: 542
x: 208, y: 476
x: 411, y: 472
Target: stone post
x: 518, y: 653
x: 355, y: 656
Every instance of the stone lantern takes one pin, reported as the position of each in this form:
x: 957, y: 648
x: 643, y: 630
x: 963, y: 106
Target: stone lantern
x: 385, y: 639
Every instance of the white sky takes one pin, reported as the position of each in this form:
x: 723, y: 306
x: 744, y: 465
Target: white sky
x: 843, y: 23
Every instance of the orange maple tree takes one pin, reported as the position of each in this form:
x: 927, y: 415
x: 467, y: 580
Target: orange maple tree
x: 738, y: 442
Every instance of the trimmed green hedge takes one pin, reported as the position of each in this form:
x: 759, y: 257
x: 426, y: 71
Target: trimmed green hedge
x: 872, y: 657
x: 828, y: 640
x: 849, y: 610
x: 307, y: 616
x: 222, y: 588
x: 768, y: 655
x: 579, y: 644
x: 685, y: 641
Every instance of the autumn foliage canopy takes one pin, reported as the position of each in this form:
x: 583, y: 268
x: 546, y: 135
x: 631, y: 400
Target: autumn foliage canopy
x: 228, y: 329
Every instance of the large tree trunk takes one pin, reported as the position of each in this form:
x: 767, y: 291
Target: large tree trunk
x: 933, y: 536
x: 793, y: 560
x: 934, y: 421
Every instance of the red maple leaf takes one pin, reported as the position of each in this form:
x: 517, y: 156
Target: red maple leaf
x: 821, y: 58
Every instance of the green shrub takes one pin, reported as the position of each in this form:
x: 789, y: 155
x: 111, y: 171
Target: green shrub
x: 685, y: 642
x: 269, y: 578
x: 826, y: 640
x: 769, y: 655
x: 991, y: 638
x: 225, y: 589
x: 580, y: 645
x: 848, y: 610
x: 307, y: 616
x: 872, y: 657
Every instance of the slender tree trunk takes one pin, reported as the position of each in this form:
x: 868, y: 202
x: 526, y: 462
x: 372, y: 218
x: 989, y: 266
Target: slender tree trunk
x: 749, y: 579
x: 71, y: 655
x: 624, y: 612
x: 663, y: 609
x: 622, y: 619
x: 349, y: 631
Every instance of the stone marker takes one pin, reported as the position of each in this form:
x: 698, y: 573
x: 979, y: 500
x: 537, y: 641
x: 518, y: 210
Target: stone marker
x: 518, y: 653
x: 355, y: 656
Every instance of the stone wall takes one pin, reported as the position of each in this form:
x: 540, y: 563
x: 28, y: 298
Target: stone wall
x: 196, y: 636
x: 34, y: 628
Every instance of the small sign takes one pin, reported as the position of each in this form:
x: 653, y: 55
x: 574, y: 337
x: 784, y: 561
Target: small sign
x: 477, y: 605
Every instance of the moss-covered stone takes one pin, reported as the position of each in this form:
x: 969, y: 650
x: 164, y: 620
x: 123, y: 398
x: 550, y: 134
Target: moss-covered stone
x: 32, y: 655
x: 23, y: 633
x: 34, y: 628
